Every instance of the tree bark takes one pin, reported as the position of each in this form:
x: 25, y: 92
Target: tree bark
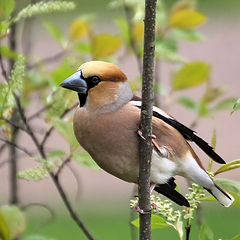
x: 146, y: 120
x: 13, y: 199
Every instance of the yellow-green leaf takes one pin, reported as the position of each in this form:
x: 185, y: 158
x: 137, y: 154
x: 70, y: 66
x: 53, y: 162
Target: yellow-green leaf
x: 15, y: 220
x: 65, y: 128
x: 228, y: 166
x: 6, y: 7
x: 190, y: 75
x: 138, y: 31
x: 55, y: 32
x: 78, y: 29
x: 4, y: 230
x: 186, y: 18
x: 105, y: 45
x: 237, y: 237
x: 236, y: 106
x: 156, y: 222
x: 85, y: 159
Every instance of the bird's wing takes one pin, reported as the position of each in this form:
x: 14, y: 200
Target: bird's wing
x: 187, y: 133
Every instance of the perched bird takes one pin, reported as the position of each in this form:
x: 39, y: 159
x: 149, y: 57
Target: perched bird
x: 106, y: 124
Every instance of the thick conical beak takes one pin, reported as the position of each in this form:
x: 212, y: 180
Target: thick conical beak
x: 76, y: 83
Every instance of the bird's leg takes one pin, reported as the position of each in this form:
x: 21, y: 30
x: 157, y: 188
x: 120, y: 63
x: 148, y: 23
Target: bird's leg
x: 139, y: 132
x: 138, y: 209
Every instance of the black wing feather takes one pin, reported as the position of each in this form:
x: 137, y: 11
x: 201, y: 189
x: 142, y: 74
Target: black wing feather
x: 189, y: 134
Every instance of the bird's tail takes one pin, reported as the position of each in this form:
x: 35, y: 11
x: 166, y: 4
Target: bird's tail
x: 223, y: 197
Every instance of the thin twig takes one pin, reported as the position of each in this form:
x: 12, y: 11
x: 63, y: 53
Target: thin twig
x: 55, y: 178
x: 52, y: 214
x: 46, y: 60
x: 40, y: 111
x: 73, y: 214
x: 10, y: 122
x: 67, y: 160
x: 133, y: 46
x: 17, y: 146
x: 3, y: 147
x: 48, y: 133
x: 4, y: 72
x: 77, y: 178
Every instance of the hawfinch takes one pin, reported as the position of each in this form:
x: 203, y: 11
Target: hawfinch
x: 106, y: 125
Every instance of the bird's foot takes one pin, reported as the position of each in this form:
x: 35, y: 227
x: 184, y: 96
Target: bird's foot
x: 154, y: 205
x: 139, y: 132
x: 139, y: 210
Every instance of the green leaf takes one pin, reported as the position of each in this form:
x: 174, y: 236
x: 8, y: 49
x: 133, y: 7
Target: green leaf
x: 203, y: 109
x: 55, y: 32
x: 212, y: 93
x: 15, y: 220
x: 237, y: 237
x: 85, y: 159
x: 187, y: 102
x: 187, y: 35
x: 56, y: 153
x: 105, y: 45
x: 186, y: 18
x: 6, y: 7
x: 166, y: 50
x: 61, y: 73
x: 123, y: 27
x: 7, y: 52
x: 228, y: 166
x: 205, y: 233
x: 138, y: 31
x: 65, y: 128
x: 82, y: 47
x: 236, y: 106
x: 225, y: 104
x: 4, y: 230
x: 191, y: 75
x: 156, y: 222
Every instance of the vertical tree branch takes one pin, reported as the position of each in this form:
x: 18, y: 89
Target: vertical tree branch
x: 14, y: 131
x: 146, y: 119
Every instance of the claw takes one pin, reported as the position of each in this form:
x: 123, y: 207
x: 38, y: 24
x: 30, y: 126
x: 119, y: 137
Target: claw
x: 139, y: 132
x: 138, y: 209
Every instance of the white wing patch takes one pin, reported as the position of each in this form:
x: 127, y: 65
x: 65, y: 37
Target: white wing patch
x: 155, y: 109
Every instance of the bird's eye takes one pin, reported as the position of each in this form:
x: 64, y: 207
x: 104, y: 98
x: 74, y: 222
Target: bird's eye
x: 95, y: 79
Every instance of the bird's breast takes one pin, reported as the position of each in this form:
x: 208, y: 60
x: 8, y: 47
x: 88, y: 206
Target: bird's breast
x: 111, y: 140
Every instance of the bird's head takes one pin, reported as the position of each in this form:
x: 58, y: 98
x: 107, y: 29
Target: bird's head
x: 100, y: 85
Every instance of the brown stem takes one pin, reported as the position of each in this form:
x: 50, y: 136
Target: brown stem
x: 50, y: 130
x: 46, y: 60
x: 145, y: 147
x: 132, y: 42
x: 188, y: 229
x: 55, y: 178
x: 15, y: 145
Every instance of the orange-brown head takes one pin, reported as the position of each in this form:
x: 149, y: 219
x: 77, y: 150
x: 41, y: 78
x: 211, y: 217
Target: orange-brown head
x: 100, y: 86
